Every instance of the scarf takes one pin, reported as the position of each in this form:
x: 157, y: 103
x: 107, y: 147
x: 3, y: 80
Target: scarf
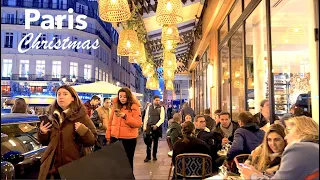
x: 227, y: 131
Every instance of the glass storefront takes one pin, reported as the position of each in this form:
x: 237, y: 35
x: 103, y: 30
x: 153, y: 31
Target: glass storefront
x: 244, y: 61
x: 202, y: 89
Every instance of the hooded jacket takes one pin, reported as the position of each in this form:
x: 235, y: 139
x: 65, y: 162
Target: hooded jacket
x: 246, y: 139
x: 127, y: 128
x: 64, y: 142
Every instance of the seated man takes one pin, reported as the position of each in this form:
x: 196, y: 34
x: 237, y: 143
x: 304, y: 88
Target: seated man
x: 246, y: 138
x: 212, y: 139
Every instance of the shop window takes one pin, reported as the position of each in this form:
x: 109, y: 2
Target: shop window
x: 223, y: 30
x: 225, y: 78
x: 235, y: 13
x: 237, y: 74
x: 246, y: 2
x: 292, y: 54
x: 256, y: 58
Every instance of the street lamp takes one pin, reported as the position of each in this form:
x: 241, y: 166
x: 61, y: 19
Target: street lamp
x: 118, y: 84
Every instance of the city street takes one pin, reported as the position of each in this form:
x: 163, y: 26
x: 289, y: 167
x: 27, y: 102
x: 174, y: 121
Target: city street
x: 154, y: 169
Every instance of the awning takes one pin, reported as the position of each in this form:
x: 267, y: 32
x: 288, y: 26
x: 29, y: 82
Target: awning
x: 34, y: 100
x: 99, y: 88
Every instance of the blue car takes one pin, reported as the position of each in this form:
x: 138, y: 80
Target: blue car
x: 20, y: 150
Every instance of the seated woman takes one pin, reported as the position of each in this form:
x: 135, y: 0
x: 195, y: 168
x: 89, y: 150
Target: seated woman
x: 266, y: 157
x: 188, y: 118
x: 300, y: 158
x: 189, y: 143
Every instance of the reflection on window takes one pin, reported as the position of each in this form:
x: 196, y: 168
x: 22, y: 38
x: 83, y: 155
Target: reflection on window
x: 22, y: 138
x: 223, y: 30
x: 235, y: 13
x: 256, y: 58
x: 292, y: 39
x: 225, y: 76
x: 237, y: 75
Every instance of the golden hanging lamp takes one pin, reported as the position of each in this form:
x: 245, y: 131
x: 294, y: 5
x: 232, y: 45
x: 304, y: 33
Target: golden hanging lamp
x: 169, y: 85
x: 170, y: 33
x: 128, y: 43
x: 114, y: 10
x: 147, y: 69
x: 133, y: 60
x: 141, y: 57
x: 168, y: 74
x: 170, y: 61
x: 169, y: 12
x: 152, y: 83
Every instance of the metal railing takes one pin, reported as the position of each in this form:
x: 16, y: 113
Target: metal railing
x: 36, y: 77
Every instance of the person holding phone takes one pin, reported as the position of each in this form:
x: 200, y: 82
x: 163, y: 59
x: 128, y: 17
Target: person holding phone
x: 67, y: 132
x: 124, y: 122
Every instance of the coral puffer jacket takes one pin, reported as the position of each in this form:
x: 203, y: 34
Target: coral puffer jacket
x: 128, y: 128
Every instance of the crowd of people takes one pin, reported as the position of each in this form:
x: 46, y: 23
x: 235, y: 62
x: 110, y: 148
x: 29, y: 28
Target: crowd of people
x: 286, y: 149
x: 272, y: 149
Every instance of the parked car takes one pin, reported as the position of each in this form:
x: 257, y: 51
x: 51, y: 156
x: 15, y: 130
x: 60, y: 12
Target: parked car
x: 19, y: 146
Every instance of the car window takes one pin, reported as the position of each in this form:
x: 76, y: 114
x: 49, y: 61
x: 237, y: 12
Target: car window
x: 22, y: 138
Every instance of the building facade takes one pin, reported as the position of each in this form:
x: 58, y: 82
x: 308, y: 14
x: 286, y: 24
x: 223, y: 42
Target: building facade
x: 40, y: 71
x: 258, y: 49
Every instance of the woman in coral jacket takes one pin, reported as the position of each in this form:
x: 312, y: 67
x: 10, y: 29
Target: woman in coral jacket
x: 125, y: 121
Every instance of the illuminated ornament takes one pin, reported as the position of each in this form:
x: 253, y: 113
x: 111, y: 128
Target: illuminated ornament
x: 168, y: 74
x: 128, y: 43
x: 114, y: 10
x: 152, y: 83
x: 147, y: 70
x: 170, y: 33
x: 169, y: 85
x: 141, y: 55
x: 169, y: 12
x: 170, y: 61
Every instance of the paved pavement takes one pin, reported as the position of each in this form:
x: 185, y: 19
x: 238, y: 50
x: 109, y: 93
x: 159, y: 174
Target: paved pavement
x: 154, y: 169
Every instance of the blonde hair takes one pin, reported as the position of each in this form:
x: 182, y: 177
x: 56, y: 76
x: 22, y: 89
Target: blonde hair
x: 305, y: 128
x: 262, y: 160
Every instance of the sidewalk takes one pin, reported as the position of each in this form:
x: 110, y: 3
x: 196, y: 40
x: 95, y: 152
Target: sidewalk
x: 154, y: 169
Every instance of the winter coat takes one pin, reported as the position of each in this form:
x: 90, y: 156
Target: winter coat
x: 128, y: 128
x: 89, y: 108
x: 194, y: 145
x: 212, y: 139
x: 210, y: 123
x: 246, y: 139
x: 64, y: 143
x: 235, y: 127
x: 174, y: 131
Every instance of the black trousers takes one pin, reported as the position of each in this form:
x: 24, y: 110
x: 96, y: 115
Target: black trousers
x: 129, y: 146
x: 155, y: 140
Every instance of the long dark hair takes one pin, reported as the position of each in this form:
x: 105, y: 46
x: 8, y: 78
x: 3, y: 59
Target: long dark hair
x: 19, y: 106
x: 131, y: 99
x: 75, y: 105
x: 187, y: 131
